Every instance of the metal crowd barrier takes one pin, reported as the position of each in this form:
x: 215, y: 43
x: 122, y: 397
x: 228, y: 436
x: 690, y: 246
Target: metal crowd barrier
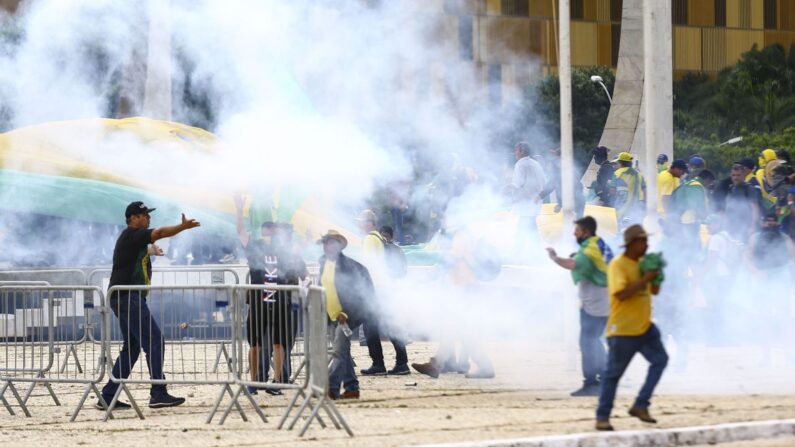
x: 39, y: 321
x: 175, y: 327
x: 44, y: 329
x: 180, y: 276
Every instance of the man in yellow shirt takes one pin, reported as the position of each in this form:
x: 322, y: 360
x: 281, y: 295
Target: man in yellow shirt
x: 629, y: 328
x: 347, y: 284
x: 667, y: 182
x: 374, y: 257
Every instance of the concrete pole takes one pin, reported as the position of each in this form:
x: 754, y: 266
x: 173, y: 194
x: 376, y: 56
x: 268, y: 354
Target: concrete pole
x: 157, y: 88
x: 651, y: 90
x: 566, y: 138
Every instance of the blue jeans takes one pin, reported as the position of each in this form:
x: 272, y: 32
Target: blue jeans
x: 620, y: 353
x: 341, y: 370
x: 139, y: 330
x: 591, y: 348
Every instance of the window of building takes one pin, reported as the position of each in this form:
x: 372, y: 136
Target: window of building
x: 720, y: 12
x: 770, y: 14
x: 516, y: 8
x: 577, y: 9
x: 495, y: 83
x: 465, y: 47
x: 616, y: 7
x: 679, y: 12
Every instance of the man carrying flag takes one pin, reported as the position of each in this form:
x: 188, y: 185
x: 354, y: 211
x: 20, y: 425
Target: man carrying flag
x: 589, y: 271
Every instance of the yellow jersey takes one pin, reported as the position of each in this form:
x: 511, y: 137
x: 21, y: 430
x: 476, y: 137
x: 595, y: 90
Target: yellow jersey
x: 333, y: 304
x: 632, y: 316
x: 666, y: 184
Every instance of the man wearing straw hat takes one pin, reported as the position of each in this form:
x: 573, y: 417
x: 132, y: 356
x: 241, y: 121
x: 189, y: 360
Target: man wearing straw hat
x: 348, y: 285
x: 629, y: 327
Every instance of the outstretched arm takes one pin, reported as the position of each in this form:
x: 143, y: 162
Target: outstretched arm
x: 567, y: 264
x: 163, y: 232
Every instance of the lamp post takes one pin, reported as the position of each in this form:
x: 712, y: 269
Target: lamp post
x: 598, y: 80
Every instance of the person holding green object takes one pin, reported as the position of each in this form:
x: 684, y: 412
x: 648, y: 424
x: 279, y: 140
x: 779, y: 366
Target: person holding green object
x: 629, y: 326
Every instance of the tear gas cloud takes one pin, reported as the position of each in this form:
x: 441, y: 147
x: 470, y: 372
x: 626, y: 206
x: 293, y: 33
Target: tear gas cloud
x: 322, y: 98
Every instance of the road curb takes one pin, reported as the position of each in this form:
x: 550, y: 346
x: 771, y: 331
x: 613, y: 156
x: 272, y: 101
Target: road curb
x: 705, y: 434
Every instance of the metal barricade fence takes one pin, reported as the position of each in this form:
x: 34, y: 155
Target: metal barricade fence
x: 179, y: 332
x: 180, y: 276
x: 316, y: 385
x: 312, y: 313
x: 39, y: 322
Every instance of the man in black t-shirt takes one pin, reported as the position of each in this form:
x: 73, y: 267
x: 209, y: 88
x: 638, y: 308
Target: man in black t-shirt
x: 272, y: 321
x: 131, y: 266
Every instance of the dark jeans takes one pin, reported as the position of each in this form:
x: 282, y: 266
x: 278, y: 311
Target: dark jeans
x: 620, y: 353
x: 592, y: 349
x: 373, y: 336
x: 139, y: 330
x: 341, y: 370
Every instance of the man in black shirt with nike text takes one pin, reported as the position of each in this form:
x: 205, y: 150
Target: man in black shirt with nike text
x: 131, y: 266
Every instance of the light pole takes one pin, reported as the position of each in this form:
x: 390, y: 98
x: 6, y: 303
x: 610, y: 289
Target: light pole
x: 598, y: 80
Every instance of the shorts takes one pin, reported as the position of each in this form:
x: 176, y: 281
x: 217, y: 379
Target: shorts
x: 283, y: 320
x: 257, y: 322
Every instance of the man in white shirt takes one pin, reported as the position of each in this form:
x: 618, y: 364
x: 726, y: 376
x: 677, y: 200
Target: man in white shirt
x: 527, y: 183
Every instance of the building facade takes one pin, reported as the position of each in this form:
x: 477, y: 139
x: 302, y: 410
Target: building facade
x: 708, y: 35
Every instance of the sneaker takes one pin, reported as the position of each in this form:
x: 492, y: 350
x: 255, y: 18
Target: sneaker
x: 119, y: 405
x: 586, y: 391
x: 642, y: 414
x: 350, y: 395
x: 603, y: 425
x: 488, y: 374
x: 426, y: 368
x: 375, y: 370
x: 165, y: 400
x: 400, y: 370
x: 251, y: 390
x: 273, y: 391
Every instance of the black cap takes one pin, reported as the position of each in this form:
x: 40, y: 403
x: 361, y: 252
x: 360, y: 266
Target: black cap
x: 137, y: 208
x: 600, y: 151
x: 680, y: 164
x: 746, y: 163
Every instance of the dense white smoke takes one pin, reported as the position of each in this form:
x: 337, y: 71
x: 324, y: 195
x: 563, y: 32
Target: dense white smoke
x: 333, y: 99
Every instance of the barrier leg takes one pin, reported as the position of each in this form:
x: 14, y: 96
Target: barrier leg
x: 254, y: 404
x: 234, y: 403
x: 290, y: 406
x: 218, y: 400
x: 333, y: 408
x: 19, y: 399
x: 298, y: 371
x: 5, y: 402
x: 222, y: 351
x: 52, y: 394
x: 89, y: 388
x: 111, y: 405
x: 312, y: 416
x: 132, y: 401
x: 73, y: 352
x: 300, y: 410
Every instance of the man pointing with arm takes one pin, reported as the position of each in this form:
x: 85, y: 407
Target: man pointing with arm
x: 131, y: 266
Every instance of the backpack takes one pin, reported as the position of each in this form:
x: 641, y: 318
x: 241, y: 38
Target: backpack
x: 395, y: 260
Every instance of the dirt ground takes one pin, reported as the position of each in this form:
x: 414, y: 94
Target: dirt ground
x: 529, y: 397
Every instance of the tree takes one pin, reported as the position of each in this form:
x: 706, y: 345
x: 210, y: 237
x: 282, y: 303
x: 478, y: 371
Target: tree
x: 539, y: 111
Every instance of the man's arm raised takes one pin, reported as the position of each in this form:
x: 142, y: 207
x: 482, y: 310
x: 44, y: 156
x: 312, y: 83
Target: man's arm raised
x: 164, y: 232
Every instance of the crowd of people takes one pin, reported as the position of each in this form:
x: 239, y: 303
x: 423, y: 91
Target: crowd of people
x: 748, y: 221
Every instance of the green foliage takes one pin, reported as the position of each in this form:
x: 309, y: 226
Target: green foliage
x: 539, y: 112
